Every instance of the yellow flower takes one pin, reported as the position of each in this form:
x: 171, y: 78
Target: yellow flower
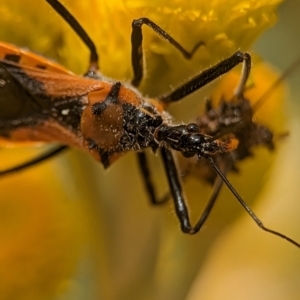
x: 133, y: 251
x: 41, y: 239
x: 224, y: 27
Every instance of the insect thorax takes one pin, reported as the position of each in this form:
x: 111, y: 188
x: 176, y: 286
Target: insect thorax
x: 117, y: 120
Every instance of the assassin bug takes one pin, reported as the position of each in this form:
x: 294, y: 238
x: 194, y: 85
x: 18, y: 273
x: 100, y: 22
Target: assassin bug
x: 109, y: 119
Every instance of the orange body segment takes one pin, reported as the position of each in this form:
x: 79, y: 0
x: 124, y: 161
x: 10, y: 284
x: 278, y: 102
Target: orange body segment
x: 30, y: 59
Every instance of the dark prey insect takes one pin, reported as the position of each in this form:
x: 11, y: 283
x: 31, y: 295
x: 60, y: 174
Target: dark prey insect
x: 107, y: 119
x: 229, y: 119
x: 234, y: 118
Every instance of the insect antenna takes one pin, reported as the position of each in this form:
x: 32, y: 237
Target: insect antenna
x: 246, y: 207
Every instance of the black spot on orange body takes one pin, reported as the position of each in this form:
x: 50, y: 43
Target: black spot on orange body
x: 12, y: 57
x: 112, y: 98
x: 27, y: 58
x: 42, y: 67
x: 30, y: 98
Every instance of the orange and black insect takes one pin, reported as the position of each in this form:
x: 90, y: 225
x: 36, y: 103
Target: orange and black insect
x: 41, y: 101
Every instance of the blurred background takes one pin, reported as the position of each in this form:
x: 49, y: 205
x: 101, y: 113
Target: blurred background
x: 70, y: 230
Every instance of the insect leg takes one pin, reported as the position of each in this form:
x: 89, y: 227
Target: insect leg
x: 144, y: 168
x: 33, y: 162
x: 246, y: 207
x: 137, y: 50
x: 82, y: 34
x: 211, y: 74
x: 176, y: 191
x: 179, y: 201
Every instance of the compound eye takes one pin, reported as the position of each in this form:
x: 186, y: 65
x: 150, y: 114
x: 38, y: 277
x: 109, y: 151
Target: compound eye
x: 192, y: 128
x: 196, y: 139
